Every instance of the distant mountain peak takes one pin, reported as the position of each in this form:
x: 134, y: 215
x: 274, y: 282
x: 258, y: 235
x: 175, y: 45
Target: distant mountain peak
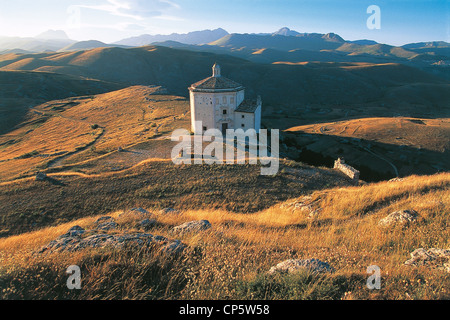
x: 285, y: 31
x: 53, y: 35
x: 333, y: 37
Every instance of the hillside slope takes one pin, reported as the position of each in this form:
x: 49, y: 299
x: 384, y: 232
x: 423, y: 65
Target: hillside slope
x: 381, y: 148
x: 20, y: 90
x: 284, y: 84
x: 339, y: 226
x: 82, y: 128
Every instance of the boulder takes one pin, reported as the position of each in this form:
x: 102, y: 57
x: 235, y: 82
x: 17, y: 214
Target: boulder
x: 40, y: 176
x: 75, y: 232
x: 292, y: 266
x: 399, y: 217
x: 193, y: 226
x: 146, y: 224
x: 433, y: 258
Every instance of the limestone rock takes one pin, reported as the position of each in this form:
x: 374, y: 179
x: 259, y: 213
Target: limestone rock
x: 173, y: 247
x: 74, y: 232
x: 291, y: 266
x: 193, y: 226
x: 147, y: 224
x: 117, y: 241
x: 399, y: 217
x: 433, y: 258
x: 41, y: 176
x: 106, y: 223
x: 304, y: 204
x: 106, y: 226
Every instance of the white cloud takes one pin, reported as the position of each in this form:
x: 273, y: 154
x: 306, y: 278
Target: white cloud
x: 136, y: 9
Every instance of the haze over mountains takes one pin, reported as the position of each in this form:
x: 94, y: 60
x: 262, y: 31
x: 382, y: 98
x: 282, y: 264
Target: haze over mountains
x: 284, y: 45
x: 196, y: 37
x: 281, y: 40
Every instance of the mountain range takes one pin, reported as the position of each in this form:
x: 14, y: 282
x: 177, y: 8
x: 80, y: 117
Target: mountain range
x: 297, y: 44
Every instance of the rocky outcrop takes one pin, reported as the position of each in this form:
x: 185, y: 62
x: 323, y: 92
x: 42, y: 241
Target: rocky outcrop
x: 399, y: 217
x: 106, y: 223
x: 75, y: 231
x: 193, y: 226
x: 73, y: 240
x: 146, y: 224
x: 106, y: 226
x: 433, y: 258
x: 304, y: 204
x: 292, y: 266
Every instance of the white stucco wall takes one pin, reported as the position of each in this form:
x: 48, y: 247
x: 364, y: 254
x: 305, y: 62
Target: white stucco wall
x: 248, y: 121
x: 202, y: 105
x: 208, y: 108
x: 258, y: 119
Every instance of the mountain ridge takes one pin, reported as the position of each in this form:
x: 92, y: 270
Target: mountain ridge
x: 195, y: 37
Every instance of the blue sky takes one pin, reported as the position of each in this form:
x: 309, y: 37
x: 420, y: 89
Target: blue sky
x: 402, y: 21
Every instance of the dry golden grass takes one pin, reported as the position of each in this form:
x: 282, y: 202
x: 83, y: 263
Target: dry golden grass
x: 76, y: 130
x: 230, y: 260
x: 68, y: 196
x: 418, y: 133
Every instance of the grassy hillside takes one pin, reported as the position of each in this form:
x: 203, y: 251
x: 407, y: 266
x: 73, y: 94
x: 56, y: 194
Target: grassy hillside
x: 417, y: 133
x: 68, y: 131
x: 314, y: 42
x: 20, y: 90
x: 231, y: 260
x: 73, y: 193
x: 282, y: 84
x: 381, y: 148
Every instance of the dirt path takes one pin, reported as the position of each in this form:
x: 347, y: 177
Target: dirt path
x: 381, y: 158
x: 58, y: 161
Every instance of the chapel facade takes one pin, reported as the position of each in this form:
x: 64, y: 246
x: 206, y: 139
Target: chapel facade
x: 219, y: 103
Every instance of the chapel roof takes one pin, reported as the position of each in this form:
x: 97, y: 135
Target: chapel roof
x: 247, y: 106
x: 216, y: 82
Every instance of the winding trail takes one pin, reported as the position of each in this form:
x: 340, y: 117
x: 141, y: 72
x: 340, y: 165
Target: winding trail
x: 58, y: 161
x: 384, y: 159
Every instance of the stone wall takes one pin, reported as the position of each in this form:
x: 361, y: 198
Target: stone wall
x: 351, y: 172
